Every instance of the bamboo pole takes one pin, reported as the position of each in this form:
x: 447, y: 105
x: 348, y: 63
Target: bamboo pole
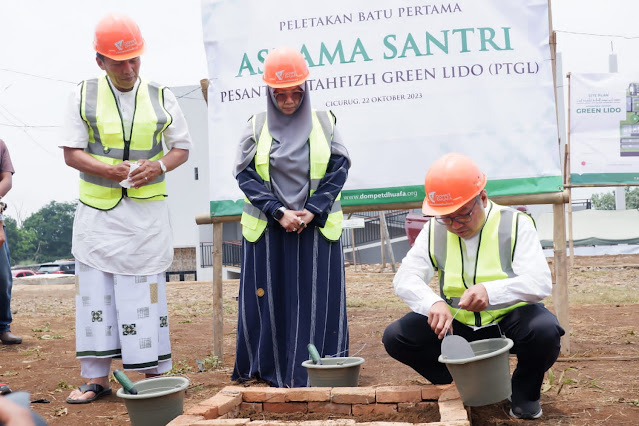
x: 506, y: 200
x: 218, y: 304
x: 382, y: 238
x: 567, y: 169
x: 560, y: 286
x: 389, y: 244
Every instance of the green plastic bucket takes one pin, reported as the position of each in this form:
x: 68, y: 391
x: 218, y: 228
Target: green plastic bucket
x: 484, y: 378
x: 159, y: 400
x: 334, y: 372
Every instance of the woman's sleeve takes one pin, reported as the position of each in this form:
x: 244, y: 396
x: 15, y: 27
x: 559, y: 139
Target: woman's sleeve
x: 252, y: 185
x: 321, y: 202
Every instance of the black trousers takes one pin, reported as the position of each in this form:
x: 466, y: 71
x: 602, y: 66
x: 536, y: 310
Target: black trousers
x: 534, y: 330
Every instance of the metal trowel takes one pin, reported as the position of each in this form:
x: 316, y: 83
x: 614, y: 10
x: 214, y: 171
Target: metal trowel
x: 456, y: 347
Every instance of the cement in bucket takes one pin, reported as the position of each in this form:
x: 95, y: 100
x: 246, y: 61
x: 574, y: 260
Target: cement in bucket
x: 159, y: 400
x: 334, y: 372
x: 484, y: 378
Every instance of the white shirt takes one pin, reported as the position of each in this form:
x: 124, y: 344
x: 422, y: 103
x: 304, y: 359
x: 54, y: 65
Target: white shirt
x: 532, y: 282
x: 134, y: 238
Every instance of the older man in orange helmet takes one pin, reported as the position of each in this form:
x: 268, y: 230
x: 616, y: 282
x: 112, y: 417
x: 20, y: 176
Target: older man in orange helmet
x: 492, y: 276
x: 124, y: 134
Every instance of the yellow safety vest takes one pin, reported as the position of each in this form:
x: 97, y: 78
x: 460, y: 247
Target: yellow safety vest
x: 253, y: 220
x: 107, y: 142
x: 494, y: 262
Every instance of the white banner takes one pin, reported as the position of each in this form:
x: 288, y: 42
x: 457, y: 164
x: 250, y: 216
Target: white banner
x: 604, y: 128
x: 407, y: 81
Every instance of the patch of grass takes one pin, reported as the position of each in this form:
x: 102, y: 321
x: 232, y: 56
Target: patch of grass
x: 45, y: 329
x: 62, y: 386
x: 551, y: 381
x: 211, y: 362
x: 31, y: 351
x: 180, y: 367
x: 51, y: 336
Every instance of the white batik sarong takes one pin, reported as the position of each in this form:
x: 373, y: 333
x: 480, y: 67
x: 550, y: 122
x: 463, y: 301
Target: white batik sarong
x: 122, y: 315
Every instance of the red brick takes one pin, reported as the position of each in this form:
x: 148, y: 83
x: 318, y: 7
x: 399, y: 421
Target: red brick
x: 415, y: 406
x: 392, y: 424
x: 361, y: 409
x: 286, y: 407
x: 264, y: 395
x: 450, y: 392
x: 224, y: 402
x: 251, y: 407
x: 308, y: 394
x: 204, y: 410
x: 451, y: 407
x: 185, y: 420
x: 222, y: 422
x: 433, y: 392
x: 353, y: 395
x: 336, y: 422
x: 329, y: 407
x: 399, y: 394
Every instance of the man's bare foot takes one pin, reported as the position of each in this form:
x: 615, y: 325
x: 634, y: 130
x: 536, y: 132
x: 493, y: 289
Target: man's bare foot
x: 90, y: 395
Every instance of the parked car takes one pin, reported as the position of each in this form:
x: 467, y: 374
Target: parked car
x: 62, y: 267
x: 414, y: 223
x: 21, y: 273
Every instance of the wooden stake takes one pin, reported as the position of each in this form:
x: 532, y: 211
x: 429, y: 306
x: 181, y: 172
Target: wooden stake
x: 218, y: 300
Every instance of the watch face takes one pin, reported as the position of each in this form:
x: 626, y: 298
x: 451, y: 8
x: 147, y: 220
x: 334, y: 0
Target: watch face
x: 278, y: 214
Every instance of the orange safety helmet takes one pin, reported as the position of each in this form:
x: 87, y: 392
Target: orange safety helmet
x: 118, y: 37
x: 452, y: 181
x: 284, y: 67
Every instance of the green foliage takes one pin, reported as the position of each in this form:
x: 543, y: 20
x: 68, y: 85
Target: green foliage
x: 605, y: 201
x: 44, y: 236
x: 22, y: 242
x: 632, y: 197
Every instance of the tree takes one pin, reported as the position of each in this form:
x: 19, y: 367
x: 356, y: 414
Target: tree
x: 605, y: 201
x: 52, y: 226
x: 632, y: 198
x: 22, y: 242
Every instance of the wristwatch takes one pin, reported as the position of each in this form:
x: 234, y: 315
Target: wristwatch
x: 279, y: 213
x: 162, y: 166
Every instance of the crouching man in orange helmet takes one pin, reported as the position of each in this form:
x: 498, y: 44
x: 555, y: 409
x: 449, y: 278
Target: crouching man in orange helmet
x: 123, y: 134
x: 492, y: 276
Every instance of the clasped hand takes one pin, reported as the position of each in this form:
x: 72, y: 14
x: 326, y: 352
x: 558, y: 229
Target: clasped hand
x: 144, y: 174
x: 296, y: 220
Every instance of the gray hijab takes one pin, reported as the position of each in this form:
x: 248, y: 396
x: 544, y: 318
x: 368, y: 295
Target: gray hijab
x: 289, y: 160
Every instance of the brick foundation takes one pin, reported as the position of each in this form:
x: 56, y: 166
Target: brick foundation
x: 226, y: 408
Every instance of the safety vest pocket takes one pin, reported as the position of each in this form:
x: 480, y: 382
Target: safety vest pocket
x: 249, y: 221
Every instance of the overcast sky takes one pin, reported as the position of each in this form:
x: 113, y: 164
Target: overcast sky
x: 47, y: 49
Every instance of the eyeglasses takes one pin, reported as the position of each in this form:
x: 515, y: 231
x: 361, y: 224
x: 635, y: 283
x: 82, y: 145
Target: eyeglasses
x: 295, y: 95
x: 462, y: 218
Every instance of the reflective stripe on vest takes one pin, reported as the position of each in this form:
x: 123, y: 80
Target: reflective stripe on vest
x: 253, y: 220
x: 498, y: 235
x: 107, y: 142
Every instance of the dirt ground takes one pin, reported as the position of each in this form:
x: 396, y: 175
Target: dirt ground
x: 597, y: 383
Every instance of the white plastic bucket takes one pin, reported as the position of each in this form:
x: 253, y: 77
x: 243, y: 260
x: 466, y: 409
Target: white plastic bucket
x: 484, y: 378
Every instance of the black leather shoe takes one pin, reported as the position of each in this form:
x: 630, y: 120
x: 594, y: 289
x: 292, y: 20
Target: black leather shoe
x: 8, y: 338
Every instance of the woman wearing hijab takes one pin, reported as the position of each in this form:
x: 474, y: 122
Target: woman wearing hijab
x: 291, y: 166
